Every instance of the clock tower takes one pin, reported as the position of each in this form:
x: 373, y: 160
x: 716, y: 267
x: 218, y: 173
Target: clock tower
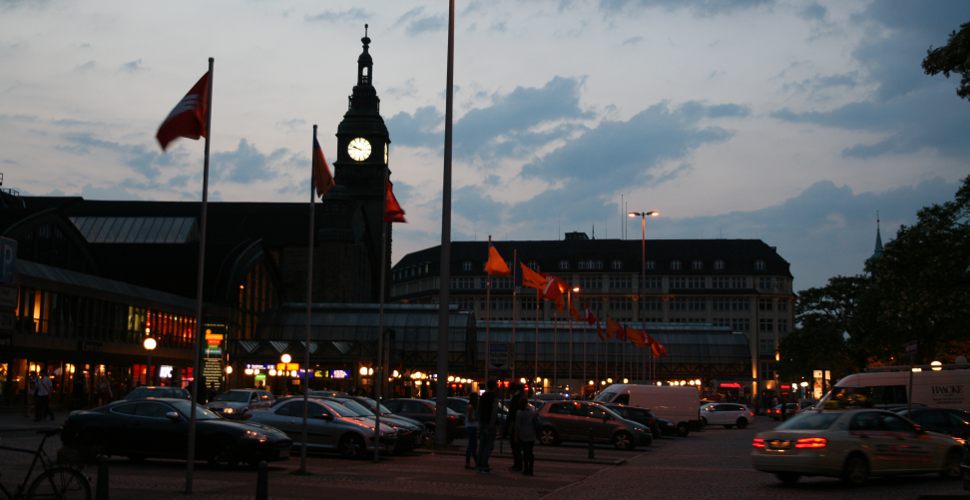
x: 359, y: 174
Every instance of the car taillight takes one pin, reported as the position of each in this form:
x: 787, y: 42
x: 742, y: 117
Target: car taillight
x: 452, y: 417
x: 758, y: 443
x: 811, y: 443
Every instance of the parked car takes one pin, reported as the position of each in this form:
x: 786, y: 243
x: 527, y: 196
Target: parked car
x: 423, y: 410
x: 158, y: 428
x: 330, y: 426
x: 578, y: 421
x: 790, y: 410
x: 642, y: 416
x: 160, y: 391
x: 410, y: 434
x: 237, y: 403
x: 385, y: 411
x: 726, y: 414
x: 853, y: 445
x: 943, y: 420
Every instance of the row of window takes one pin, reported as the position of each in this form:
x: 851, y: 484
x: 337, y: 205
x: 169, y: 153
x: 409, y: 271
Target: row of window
x: 629, y: 282
x: 468, y: 266
x: 64, y: 315
x: 655, y: 304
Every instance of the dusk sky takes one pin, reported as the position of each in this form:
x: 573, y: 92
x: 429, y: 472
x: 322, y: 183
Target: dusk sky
x: 792, y: 122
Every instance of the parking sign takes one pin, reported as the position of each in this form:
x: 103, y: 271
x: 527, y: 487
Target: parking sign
x: 8, y: 259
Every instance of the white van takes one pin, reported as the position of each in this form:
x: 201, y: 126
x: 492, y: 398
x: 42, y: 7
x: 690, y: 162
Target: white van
x: 680, y: 405
x: 938, y: 389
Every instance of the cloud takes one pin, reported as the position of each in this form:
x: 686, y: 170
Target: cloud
x: 472, y: 204
x: 697, y: 7
x: 418, y: 129
x: 132, y: 66
x: 111, y: 192
x: 813, y: 12
x: 139, y: 158
x: 632, y: 41
x: 247, y: 164
x: 415, y: 22
x: 338, y: 16
x: 85, y: 67
x: 824, y: 231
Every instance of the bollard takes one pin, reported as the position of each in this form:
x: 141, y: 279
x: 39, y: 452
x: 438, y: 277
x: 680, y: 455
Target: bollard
x: 262, y: 481
x: 101, y: 489
x: 592, y: 453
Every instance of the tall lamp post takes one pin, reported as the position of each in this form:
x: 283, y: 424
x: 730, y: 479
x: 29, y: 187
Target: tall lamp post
x: 643, y: 268
x: 149, y: 344
x: 569, y: 312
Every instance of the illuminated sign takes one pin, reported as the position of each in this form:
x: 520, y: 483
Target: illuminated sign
x: 339, y: 374
x: 165, y: 371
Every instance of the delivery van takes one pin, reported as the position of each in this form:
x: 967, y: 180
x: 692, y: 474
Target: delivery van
x: 678, y: 404
x: 938, y: 389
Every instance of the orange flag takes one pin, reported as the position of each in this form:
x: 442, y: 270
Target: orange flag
x: 187, y: 119
x: 613, y: 329
x: 637, y: 337
x: 496, y: 265
x: 531, y: 278
x: 322, y: 178
x: 574, y: 313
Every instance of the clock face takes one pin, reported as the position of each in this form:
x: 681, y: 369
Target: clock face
x: 359, y: 149
x: 385, y: 153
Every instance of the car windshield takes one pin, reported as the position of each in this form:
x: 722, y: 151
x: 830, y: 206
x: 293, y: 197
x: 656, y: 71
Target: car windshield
x: 369, y: 403
x: 233, y: 396
x: 201, y: 413
x: 359, y: 409
x: 339, y: 409
x: 809, y: 421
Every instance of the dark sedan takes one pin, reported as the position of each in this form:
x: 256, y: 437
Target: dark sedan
x: 943, y: 420
x: 158, y: 428
x: 423, y: 410
x: 640, y: 415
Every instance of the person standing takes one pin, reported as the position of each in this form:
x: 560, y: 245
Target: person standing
x: 525, y: 433
x: 104, y: 391
x: 471, y: 430
x: 487, y: 425
x: 514, y: 404
x: 42, y: 395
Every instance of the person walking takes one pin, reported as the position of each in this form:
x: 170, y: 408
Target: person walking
x: 518, y: 394
x: 42, y: 396
x: 526, y: 421
x: 104, y: 391
x: 471, y: 431
x: 487, y: 425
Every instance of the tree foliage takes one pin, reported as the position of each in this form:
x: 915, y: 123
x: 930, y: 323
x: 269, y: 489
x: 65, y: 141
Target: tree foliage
x: 954, y: 57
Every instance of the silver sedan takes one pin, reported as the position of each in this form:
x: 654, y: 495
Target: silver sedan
x: 853, y: 445
x: 330, y: 426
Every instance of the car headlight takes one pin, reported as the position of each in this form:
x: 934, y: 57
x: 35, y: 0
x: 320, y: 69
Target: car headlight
x: 639, y: 429
x: 251, y: 434
x: 960, y: 440
x: 228, y: 410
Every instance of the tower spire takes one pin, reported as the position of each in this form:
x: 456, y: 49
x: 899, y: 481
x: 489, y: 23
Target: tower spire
x: 877, y: 251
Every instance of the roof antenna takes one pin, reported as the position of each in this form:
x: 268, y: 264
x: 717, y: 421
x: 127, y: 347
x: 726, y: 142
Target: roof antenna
x: 365, y: 29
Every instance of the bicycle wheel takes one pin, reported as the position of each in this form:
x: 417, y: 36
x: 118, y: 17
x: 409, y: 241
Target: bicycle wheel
x: 62, y: 483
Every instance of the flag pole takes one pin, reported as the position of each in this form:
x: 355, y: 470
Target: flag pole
x: 309, y: 303
x: 190, y: 457
x: 441, y: 406
x: 379, y: 369
x: 537, y: 337
x: 488, y: 314
x: 515, y: 300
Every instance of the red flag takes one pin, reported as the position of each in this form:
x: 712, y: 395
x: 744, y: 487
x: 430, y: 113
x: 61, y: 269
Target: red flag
x: 637, y: 337
x: 322, y: 178
x: 532, y: 279
x: 599, y: 332
x: 496, y: 265
x: 187, y: 119
x: 574, y: 313
x: 613, y: 329
x: 392, y: 209
x: 590, y: 317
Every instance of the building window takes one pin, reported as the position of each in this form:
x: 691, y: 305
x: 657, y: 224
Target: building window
x: 563, y: 265
x: 783, y: 306
x: 591, y: 283
x: 759, y: 265
x: 764, y: 305
x: 764, y: 283
x: 718, y: 265
x: 616, y: 265
x: 466, y: 266
x: 652, y: 283
x: 697, y: 265
x: 675, y: 265
x: 651, y: 265
x: 782, y: 326
x: 620, y: 283
x: 767, y: 325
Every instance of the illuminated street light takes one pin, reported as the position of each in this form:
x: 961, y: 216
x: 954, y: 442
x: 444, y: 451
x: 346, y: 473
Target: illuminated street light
x: 286, y: 358
x: 936, y: 366
x: 149, y: 344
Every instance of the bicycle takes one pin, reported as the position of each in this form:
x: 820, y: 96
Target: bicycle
x: 56, y: 481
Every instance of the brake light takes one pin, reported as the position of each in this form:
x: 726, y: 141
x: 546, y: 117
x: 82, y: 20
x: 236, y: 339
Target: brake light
x: 452, y: 417
x: 758, y: 443
x: 811, y: 443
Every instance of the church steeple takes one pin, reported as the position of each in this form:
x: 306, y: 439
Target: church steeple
x: 877, y: 251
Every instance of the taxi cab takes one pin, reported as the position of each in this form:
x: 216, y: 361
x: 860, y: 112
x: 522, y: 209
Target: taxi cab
x: 853, y: 445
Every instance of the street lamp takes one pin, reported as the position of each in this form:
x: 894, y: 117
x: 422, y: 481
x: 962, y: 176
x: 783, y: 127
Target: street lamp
x: 149, y: 344
x: 643, y: 268
x: 569, y: 309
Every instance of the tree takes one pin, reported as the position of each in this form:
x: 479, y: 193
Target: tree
x: 954, y: 57
x: 921, y: 285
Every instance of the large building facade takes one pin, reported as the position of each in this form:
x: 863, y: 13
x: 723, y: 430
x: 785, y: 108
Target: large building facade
x: 741, y: 286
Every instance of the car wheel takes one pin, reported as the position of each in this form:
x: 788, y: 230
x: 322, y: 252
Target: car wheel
x: 351, y: 446
x: 224, y: 452
x: 655, y: 430
x: 951, y: 466
x: 855, y: 470
x: 788, y: 477
x: 682, y: 430
x: 623, y: 441
x: 548, y: 436
x: 703, y: 421
x: 94, y: 446
x: 742, y: 423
